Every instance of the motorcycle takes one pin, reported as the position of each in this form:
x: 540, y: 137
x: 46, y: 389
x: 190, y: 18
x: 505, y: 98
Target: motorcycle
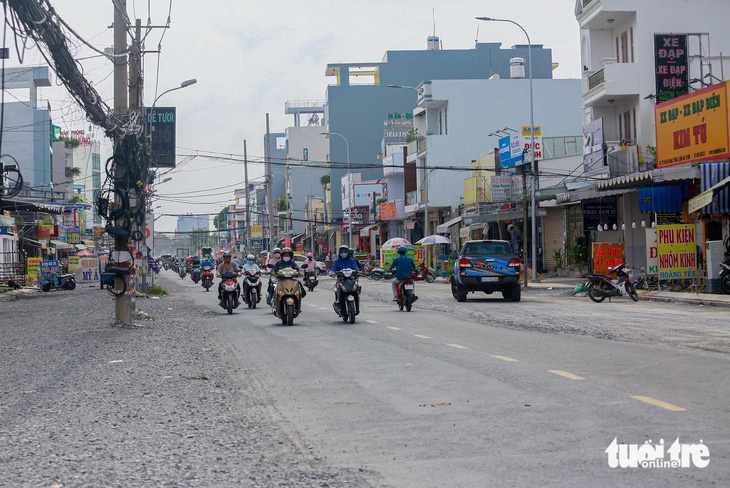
x: 182, y: 271
x: 253, y: 288
x: 230, y: 292
x: 406, y: 293
x: 725, y: 276
x: 378, y: 273
x: 601, y: 286
x: 310, y: 279
x: 423, y: 272
x: 57, y: 281
x: 347, y: 295
x: 207, y: 279
x: 195, y: 273
x: 287, y: 303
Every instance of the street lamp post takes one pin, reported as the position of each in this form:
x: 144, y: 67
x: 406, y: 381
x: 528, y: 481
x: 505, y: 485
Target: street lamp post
x: 349, y: 210
x: 532, y: 144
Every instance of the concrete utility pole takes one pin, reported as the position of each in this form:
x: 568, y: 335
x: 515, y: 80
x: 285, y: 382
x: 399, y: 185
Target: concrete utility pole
x: 123, y: 303
x: 269, y: 185
x: 248, y: 211
x: 135, y: 96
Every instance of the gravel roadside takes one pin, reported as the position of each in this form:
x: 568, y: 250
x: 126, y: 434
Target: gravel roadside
x: 86, y: 403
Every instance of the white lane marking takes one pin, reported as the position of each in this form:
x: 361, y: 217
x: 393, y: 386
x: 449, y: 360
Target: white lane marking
x: 394, y: 328
x: 371, y: 321
x: 116, y: 361
x: 422, y: 336
x: 457, y: 346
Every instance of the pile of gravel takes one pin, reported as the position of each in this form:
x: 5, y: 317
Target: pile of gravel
x: 84, y: 402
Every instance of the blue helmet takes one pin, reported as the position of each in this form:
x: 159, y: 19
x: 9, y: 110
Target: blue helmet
x: 402, y: 250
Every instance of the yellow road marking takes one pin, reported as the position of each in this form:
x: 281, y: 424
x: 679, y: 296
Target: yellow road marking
x: 505, y: 358
x: 566, y: 374
x: 323, y: 308
x: 421, y: 336
x: 371, y: 322
x: 457, y: 346
x: 659, y: 403
x: 310, y: 305
x: 394, y: 328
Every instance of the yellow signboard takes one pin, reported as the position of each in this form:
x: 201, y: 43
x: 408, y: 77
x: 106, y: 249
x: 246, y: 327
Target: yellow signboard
x: 257, y: 231
x: 693, y: 127
x: 677, y: 246
x: 73, y: 264
x: 34, y: 269
x: 701, y: 200
x: 470, y: 190
x: 417, y: 253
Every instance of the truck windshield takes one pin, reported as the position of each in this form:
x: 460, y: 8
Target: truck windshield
x: 487, y: 248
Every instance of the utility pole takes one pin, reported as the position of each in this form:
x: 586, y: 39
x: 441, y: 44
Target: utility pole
x: 123, y: 304
x: 524, y: 222
x: 269, y: 184
x: 248, y: 211
x: 135, y: 92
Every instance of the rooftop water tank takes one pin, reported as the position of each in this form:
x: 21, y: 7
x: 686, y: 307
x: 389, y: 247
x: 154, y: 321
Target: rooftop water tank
x: 517, y: 68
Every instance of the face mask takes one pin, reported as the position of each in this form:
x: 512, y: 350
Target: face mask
x: 343, y: 255
x: 286, y: 258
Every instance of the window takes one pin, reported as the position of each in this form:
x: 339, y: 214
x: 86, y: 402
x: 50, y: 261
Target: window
x: 95, y: 161
x: 95, y: 180
x: 441, y: 123
x: 446, y: 120
x: 627, y: 127
x: 625, y: 46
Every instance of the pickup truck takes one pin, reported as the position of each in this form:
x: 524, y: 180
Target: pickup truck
x: 487, y: 266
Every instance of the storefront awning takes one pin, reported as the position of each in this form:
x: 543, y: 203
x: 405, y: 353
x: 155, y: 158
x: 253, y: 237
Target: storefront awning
x: 60, y: 245
x: 444, y: 228
x: 713, y: 174
x: 31, y: 242
x: 646, y: 178
x: 502, y: 216
x: 13, y: 204
x: 365, y: 231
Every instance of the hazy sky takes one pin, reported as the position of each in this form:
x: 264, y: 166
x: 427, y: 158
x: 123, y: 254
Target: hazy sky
x: 250, y: 57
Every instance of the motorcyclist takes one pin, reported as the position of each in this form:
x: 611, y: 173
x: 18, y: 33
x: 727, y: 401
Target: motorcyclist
x: 226, y: 265
x: 287, y: 261
x: 250, y: 265
x: 309, y: 264
x: 208, y: 261
x: 275, y: 256
x: 273, y: 259
x: 404, y: 267
x: 344, y: 261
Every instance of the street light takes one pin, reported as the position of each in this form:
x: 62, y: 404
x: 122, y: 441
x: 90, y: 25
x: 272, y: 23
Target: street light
x: 184, y: 84
x: 424, y: 184
x: 349, y: 210
x: 532, y: 143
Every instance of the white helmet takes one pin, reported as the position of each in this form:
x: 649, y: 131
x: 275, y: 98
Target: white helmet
x: 250, y: 257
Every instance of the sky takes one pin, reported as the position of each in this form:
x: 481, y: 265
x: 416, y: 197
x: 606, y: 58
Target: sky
x: 251, y: 57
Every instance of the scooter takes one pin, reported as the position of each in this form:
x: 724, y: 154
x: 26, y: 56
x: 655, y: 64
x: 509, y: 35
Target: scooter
x: 58, y: 281
x: 347, y: 295
x: 182, y: 272
x: 725, y: 276
x: 310, y: 279
x: 381, y: 273
x: 230, y: 292
x: 406, y: 293
x: 423, y: 272
x: 287, y: 303
x: 253, y: 288
x: 196, y: 274
x: 601, y: 286
x: 207, y: 280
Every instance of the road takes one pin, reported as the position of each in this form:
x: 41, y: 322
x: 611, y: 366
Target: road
x: 488, y: 392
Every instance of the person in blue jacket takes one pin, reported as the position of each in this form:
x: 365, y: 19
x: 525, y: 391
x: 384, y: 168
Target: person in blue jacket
x: 404, y: 267
x: 343, y: 261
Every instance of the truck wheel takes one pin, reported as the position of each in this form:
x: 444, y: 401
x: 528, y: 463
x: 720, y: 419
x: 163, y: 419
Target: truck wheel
x: 460, y: 293
x: 513, y: 294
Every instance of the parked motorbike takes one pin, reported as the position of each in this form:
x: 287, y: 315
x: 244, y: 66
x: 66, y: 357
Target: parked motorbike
x: 406, y: 293
x: 57, y: 281
x: 380, y: 273
x: 423, y: 272
x: 601, y: 286
x: 310, y: 279
x: 182, y: 271
x: 230, y: 292
x: 725, y: 276
x: 253, y: 288
x: 196, y: 274
x: 347, y: 295
x: 207, y: 278
x: 287, y: 304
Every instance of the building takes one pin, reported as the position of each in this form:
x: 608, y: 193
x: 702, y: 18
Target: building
x: 189, y: 223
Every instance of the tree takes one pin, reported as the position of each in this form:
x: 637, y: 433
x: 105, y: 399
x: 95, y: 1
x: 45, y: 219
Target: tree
x: 325, y: 180
x: 220, y: 221
x: 71, y: 172
x: 280, y: 203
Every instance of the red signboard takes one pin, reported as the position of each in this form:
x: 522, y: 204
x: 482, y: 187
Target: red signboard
x: 300, y: 247
x: 387, y: 210
x: 607, y: 256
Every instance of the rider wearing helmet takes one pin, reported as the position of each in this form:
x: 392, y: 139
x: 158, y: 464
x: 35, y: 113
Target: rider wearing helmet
x: 287, y: 261
x: 226, y: 265
x: 344, y: 261
x: 404, y: 267
x: 249, y: 266
x: 208, y: 261
x: 309, y: 264
x: 275, y: 256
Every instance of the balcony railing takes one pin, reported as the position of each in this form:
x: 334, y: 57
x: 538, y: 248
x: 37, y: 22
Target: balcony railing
x: 596, y: 79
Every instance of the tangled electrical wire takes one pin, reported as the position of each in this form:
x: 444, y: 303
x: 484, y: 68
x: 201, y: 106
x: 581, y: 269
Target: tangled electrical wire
x: 11, y: 180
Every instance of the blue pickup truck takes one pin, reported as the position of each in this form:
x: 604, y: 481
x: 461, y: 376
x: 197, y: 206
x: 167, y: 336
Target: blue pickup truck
x: 487, y: 266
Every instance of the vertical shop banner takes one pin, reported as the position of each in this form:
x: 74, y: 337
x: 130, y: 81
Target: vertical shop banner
x: 677, y: 249
x: 34, y: 271
x: 88, y: 270
x: 257, y: 231
x: 652, y: 252
x: 73, y: 264
x: 48, y: 267
x: 671, y: 63
x: 73, y: 235
x: 607, y: 256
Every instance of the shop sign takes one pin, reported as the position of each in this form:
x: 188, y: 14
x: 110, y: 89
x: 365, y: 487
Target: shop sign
x: 257, y: 231
x: 677, y: 249
x: 73, y: 235
x: 501, y: 188
x: 62, y: 233
x: 88, y: 270
x: 161, y: 122
x: 257, y: 244
x: 48, y: 267
x: 599, y: 212
x: 530, y: 138
x: 672, y: 67
x: 73, y: 264
x: 464, y: 232
x: 693, y: 127
x: 417, y: 253
x: 300, y: 247
x: 607, y: 256
x: 652, y: 252
x: 387, y: 210
x: 397, y: 125
x: 510, y: 151
x: 34, y: 270
x: 367, y: 194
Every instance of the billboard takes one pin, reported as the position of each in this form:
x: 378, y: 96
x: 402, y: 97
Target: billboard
x: 365, y: 194
x: 510, y: 151
x: 387, y: 210
x: 470, y: 190
x: 530, y: 137
x: 257, y: 231
x: 671, y: 65
x: 693, y: 127
x: 593, y: 145
x: 677, y: 248
x: 501, y: 188
x: 161, y: 123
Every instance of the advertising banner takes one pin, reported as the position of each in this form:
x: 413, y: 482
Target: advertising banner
x: 593, y: 145
x: 257, y: 244
x: 607, y: 256
x: 34, y: 271
x: 44, y: 231
x: 62, y: 233
x: 510, y: 151
x: 48, y: 267
x: 677, y: 249
x: 88, y: 270
x: 501, y: 188
x: 387, y: 256
x: 464, y: 232
x: 652, y: 252
x: 530, y: 137
x: 161, y: 122
x: 387, y: 210
x: 73, y: 235
x: 672, y: 67
x: 367, y: 194
x: 693, y: 127
x: 73, y: 264
x: 257, y: 231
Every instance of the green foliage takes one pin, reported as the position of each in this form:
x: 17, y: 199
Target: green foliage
x: 70, y: 141
x: 578, y: 253
x: 380, y: 200
x: 219, y: 221
x: 412, y: 135
x: 325, y: 180
x: 71, y: 172
x: 559, y: 258
x: 156, y: 290
x: 450, y: 267
x: 280, y: 203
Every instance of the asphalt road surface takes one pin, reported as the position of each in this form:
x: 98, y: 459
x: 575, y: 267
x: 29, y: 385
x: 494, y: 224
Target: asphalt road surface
x: 488, y: 392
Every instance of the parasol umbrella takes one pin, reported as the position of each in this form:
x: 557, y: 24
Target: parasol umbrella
x: 434, y: 239
x: 101, y: 252
x: 85, y: 254
x: 395, y: 243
